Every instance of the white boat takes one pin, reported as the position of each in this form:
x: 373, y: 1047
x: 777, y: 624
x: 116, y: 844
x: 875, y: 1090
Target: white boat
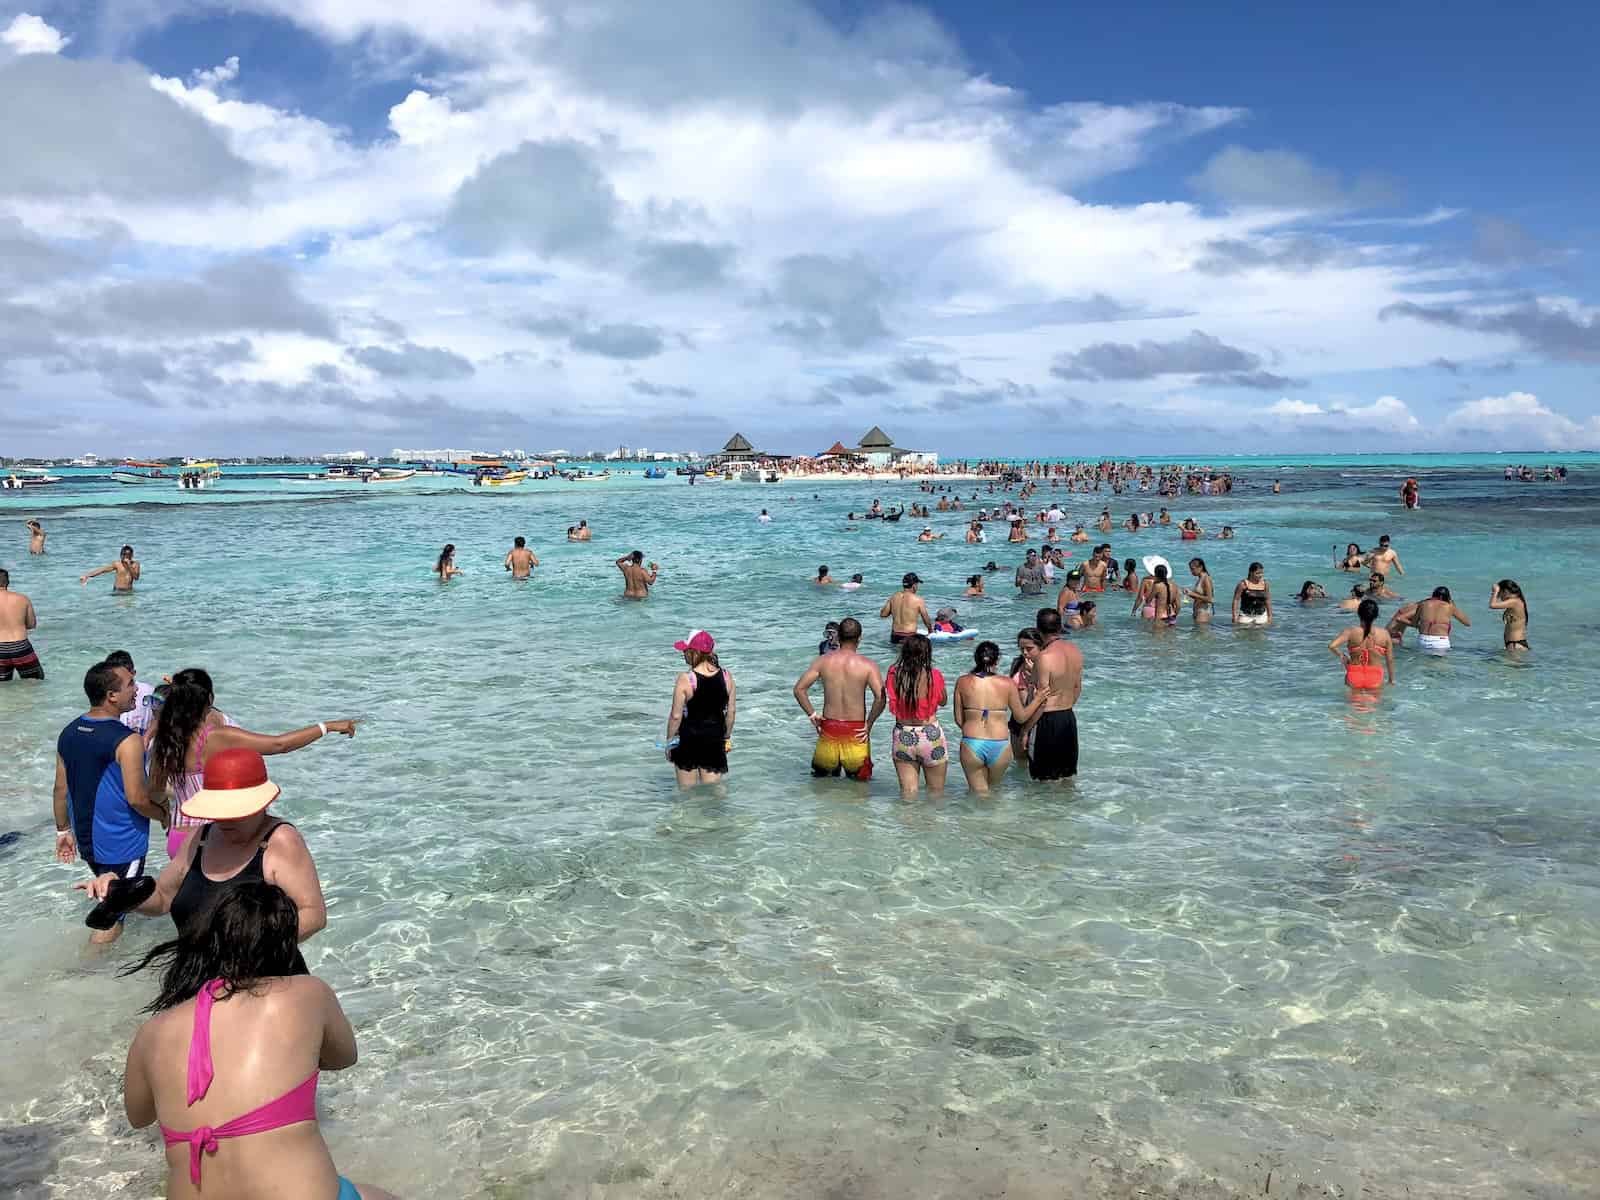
x: 134, y: 472
x: 87, y: 460
x: 27, y: 477
x: 388, y: 475
x: 587, y: 476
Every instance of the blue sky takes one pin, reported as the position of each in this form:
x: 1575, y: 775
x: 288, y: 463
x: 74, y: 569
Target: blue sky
x: 281, y: 225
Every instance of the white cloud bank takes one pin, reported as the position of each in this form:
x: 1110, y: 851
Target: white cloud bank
x: 777, y: 212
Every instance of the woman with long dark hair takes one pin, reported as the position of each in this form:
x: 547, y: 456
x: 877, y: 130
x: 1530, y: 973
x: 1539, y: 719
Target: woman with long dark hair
x: 915, y: 689
x: 233, y: 1023
x: 984, y: 703
x: 189, y: 728
x: 1252, y: 598
x: 1203, y: 595
x: 446, y: 568
x: 1506, y: 597
x: 1356, y: 646
x: 1023, y: 673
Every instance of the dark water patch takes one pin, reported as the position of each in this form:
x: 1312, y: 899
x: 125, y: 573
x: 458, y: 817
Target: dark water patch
x: 1004, y: 1046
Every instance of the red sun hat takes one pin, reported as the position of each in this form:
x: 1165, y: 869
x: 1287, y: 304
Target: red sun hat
x: 235, y: 786
x: 699, y: 640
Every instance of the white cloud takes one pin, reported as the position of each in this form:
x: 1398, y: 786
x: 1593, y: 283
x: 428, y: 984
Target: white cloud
x: 1386, y: 414
x: 28, y: 34
x: 1518, y: 420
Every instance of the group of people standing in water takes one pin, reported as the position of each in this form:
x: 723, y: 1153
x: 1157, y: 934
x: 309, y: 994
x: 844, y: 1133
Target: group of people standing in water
x: 237, y: 1016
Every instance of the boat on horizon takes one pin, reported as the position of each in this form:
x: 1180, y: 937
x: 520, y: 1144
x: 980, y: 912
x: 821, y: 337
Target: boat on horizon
x: 586, y: 476
x: 134, y: 472
x: 196, y: 475
x: 27, y: 477
x: 506, y: 479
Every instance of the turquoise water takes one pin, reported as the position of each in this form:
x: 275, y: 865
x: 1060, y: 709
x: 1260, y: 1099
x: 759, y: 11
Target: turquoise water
x: 1266, y: 931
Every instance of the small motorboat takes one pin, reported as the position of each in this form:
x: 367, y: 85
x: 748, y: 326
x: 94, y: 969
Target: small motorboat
x: 387, y: 475
x: 507, y: 479
x: 27, y: 477
x: 134, y: 472
x: 655, y: 473
x: 586, y: 476
x: 197, y: 476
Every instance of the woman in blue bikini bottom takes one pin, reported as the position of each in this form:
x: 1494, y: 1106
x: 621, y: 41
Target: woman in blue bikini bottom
x: 983, y: 701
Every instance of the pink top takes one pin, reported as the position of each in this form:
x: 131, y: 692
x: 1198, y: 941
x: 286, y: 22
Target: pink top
x: 299, y: 1104
x: 926, y: 709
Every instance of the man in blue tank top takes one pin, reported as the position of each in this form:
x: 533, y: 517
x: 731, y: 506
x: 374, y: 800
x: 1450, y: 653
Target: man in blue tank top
x: 102, y: 809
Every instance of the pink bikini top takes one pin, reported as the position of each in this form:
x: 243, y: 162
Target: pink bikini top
x: 291, y: 1108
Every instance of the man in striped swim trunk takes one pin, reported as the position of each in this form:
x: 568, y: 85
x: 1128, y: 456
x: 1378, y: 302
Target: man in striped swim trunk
x: 16, y: 618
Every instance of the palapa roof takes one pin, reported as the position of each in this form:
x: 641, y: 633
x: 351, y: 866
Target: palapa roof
x: 738, y: 445
x: 876, y: 439
x: 836, y: 448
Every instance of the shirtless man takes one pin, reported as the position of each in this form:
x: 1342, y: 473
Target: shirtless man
x: 1385, y: 559
x: 521, y: 561
x: 636, y: 580
x: 1094, y: 571
x: 1104, y: 523
x: 1059, y: 671
x: 1019, y: 530
x: 16, y: 619
x: 36, y: 536
x: 823, y: 579
x: 1378, y: 587
x: 127, y: 570
x: 1431, y: 618
x: 906, y: 608
x: 583, y: 533
x: 974, y: 532
x: 844, y: 726
x: 1080, y: 534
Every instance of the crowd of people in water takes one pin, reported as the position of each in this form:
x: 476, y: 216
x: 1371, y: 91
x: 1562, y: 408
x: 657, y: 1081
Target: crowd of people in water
x: 237, y: 1016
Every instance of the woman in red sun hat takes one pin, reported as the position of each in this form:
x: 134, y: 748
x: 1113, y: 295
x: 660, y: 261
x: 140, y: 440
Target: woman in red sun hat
x: 242, y: 843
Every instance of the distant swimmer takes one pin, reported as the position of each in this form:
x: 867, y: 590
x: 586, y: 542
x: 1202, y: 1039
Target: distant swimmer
x: 1084, y: 617
x: 905, y: 609
x: 1378, y: 587
x: 1019, y: 529
x: 1252, y: 598
x: 127, y: 571
x: 1080, y: 534
x: 36, y: 536
x: 700, y: 722
x: 1226, y: 535
x: 1410, y: 494
x: 975, y: 532
x: 1104, y: 523
x: 1505, y: 597
x: 1353, y: 559
x: 928, y: 535
x: 916, y: 692
x: 521, y: 561
x: 1203, y: 595
x: 1385, y: 559
x: 1277, y: 488
x: 765, y: 518
x: 1431, y: 619
x: 17, y: 618
x: 1311, y: 590
x: 583, y: 532
x: 1059, y: 671
x: 855, y: 582
x: 823, y: 579
x: 636, y: 580
x: 844, y: 726
x: 974, y: 586
x: 1030, y: 577
x: 1357, y: 646
x: 446, y: 568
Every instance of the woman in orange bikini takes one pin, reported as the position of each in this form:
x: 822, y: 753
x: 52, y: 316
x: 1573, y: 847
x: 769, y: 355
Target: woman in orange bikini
x: 1356, y: 646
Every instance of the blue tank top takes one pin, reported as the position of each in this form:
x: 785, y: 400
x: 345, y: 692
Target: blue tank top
x: 106, y: 829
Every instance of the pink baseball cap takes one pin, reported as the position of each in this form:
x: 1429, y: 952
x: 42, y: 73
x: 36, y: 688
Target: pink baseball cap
x: 699, y: 640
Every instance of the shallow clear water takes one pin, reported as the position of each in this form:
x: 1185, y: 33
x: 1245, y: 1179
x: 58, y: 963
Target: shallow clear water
x: 1266, y: 931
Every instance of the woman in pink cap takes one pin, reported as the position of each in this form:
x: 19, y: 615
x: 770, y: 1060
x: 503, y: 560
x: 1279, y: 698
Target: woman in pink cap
x: 240, y: 842
x: 700, y: 722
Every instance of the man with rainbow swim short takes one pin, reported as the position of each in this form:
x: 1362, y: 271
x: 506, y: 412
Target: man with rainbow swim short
x: 844, y: 726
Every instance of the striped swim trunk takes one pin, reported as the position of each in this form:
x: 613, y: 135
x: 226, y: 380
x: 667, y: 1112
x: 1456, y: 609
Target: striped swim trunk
x: 19, y: 658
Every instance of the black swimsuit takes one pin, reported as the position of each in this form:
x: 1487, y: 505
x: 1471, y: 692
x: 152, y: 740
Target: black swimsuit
x: 197, y: 893
x: 703, y: 732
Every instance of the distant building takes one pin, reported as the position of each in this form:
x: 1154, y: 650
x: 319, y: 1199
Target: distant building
x: 738, y: 449
x: 345, y: 456
x: 878, y: 450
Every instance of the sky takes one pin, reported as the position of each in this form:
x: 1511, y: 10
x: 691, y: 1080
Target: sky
x: 294, y: 226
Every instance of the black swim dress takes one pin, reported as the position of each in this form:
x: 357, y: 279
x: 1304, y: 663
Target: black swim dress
x: 702, y: 735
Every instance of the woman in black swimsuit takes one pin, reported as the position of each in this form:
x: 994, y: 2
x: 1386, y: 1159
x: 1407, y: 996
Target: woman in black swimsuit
x: 1252, y: 598
x: 701, y: 721
x: 241, y: 842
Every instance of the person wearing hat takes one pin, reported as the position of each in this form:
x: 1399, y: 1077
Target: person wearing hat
x: 241, y: 842
x: 905, y: 609
x: 928, y: 535
x: 700, y: 722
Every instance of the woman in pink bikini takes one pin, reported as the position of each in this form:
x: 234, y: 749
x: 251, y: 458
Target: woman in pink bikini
x: 189, y: 728
x: 231, y: 1025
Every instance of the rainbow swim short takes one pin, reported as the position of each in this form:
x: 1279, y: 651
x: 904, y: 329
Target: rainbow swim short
x: 839, y: 749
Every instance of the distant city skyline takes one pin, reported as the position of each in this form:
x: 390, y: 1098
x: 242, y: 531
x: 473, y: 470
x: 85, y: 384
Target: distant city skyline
x: 268, y: 226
